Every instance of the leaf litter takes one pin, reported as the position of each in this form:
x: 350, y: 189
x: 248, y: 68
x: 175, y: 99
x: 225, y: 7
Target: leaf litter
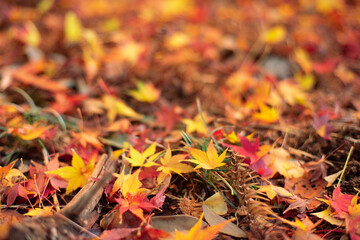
x: 183, y: 97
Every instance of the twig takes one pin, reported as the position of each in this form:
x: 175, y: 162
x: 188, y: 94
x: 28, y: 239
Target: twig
x: 347, y: 160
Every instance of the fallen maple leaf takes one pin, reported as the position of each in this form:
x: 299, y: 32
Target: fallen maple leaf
x: 217, y: 204
x: 116, y: 107
x: 46, y: 211
x: 340, y: 202
x: 145, y: 159
x: 128, y: 183
x: 303, y: 59
x: 28, y: 74
x: 321, y: 125
x: 168, y: 117
x: 117, y: 233
x: 208, y: 159
x: 76, y: 175
x: 201, y: 234
x: 72, y: 27
x: 145, y: 92
x: 88, y: 137
x: 135, y: 204
x: 266, y: 114
x: 327, y: 215
x: 29, y: 132
x: 171, y: 164
x: 4, y: 172
x: 197, y: 125
x: 304, y: 229
x: 274, y: 35
x: 16, y: 190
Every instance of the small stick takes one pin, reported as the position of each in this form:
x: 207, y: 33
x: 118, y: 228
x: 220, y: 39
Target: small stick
x: 347, y: 160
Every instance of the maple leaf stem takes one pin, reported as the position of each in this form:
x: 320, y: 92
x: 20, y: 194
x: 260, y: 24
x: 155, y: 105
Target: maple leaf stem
x: 204, y: 122
x: 346, y: 162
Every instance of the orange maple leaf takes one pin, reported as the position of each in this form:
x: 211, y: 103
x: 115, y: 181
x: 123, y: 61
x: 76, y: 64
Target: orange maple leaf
x: 88, y: 137
x: 201, y: 234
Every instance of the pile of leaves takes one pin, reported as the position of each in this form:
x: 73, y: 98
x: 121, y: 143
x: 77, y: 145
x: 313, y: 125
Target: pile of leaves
x: 243, y: 113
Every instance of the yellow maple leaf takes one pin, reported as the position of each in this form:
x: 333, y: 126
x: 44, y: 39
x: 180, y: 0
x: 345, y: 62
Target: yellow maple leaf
x: 233, y: 138
x: 197, y: 124
x: 328, y: 6
x: 32, y: 36
x: 354, y: 208
x: 128, y: 183
x: 177, y: 40
x: 26, y: 131
x: 327, y: 216
x: 72, y: 27
x: 274, y: 35
x: 145, y: 159
x: 171, y: 164
x: 145, y: 92
x: 171, y: 8
x: 116, y: 107
x: 201, y: 234
x: 46, y: 211
x: 9, y: 175
x: 208, y: 159
x: 266, y: 114
x: 303, y: 59
x: 76, y: 175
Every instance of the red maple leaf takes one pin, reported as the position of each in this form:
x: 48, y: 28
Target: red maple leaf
x: 168, y: 117
x: 135, y: 204
x: 248, y: 149
x: 340, y: 202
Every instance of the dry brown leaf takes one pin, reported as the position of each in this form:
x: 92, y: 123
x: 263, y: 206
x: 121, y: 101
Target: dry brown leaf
x: 229, y: 229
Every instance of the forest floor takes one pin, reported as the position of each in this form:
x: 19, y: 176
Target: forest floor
x: 128, y: 119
